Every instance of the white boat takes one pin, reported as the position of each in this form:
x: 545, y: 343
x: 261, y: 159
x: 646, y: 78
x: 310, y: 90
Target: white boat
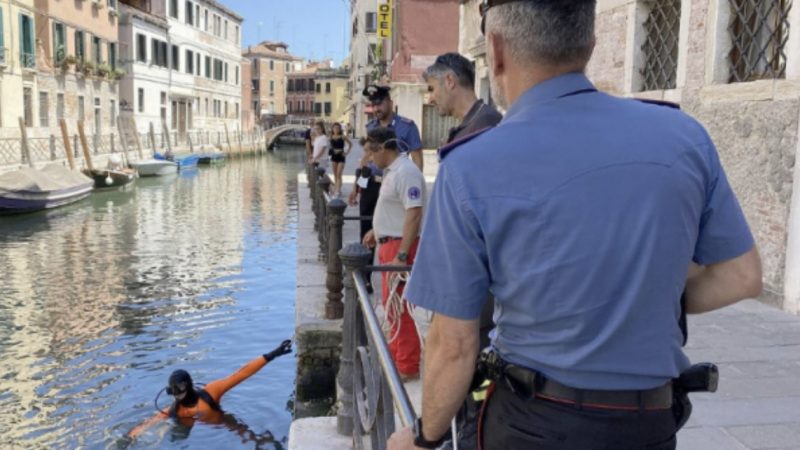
x: 155, y: 167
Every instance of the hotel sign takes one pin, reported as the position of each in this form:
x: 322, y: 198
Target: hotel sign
x: 385, y: 19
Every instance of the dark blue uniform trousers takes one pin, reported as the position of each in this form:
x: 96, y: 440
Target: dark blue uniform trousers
x: 511, y: 423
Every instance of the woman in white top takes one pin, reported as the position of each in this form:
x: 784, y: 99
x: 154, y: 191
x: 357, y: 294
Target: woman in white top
x: 321, y: 146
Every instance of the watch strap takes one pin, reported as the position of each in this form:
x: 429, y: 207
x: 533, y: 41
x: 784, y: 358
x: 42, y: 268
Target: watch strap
x: 419, y: 438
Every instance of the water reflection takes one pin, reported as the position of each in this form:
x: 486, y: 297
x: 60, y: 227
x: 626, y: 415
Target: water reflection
x: 101, y: 300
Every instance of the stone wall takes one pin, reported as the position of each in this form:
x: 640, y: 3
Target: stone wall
x: 754, y: 124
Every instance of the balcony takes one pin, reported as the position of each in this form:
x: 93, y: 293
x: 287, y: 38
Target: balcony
x: 27, y: 60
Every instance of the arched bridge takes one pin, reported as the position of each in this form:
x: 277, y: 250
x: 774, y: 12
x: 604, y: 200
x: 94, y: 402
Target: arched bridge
x: 273, y: 134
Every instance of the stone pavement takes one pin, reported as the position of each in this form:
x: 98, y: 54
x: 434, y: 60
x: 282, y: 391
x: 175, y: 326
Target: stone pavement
x: 757, y: 406
x: 756, y: 347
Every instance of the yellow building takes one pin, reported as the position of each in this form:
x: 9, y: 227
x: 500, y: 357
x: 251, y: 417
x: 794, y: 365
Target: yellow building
x: 330, y: 90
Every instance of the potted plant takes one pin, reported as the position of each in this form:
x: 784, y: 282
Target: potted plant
x: 117, y: 74
x: 67, y: 62
x: 88, y: 68
x: 103, y: 70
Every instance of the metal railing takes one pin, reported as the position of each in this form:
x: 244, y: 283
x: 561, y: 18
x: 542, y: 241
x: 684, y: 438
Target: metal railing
x: 660, y: 49
x: 52, y: 148
x: 370, y: 387
x: 27, y: 60
x: 759, y: 31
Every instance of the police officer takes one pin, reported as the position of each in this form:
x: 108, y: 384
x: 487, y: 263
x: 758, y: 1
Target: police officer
x: 586, y: 241
x: 451, y: 84
x: 405, y: 129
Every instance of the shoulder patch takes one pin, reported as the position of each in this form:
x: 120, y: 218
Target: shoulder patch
x: 445, y: 150
x: 659, y: 103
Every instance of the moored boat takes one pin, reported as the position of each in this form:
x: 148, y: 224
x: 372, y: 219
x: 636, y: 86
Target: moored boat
x: 211, y: 158
x: 29, y: 190
x: 184, y: 162
x: 155, y: 167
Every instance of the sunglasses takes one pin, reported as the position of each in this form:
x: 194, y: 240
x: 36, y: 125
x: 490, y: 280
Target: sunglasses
x: 485, y: 6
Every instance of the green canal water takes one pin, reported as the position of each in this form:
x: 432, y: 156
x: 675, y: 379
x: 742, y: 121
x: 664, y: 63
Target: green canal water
x: 102, y: 300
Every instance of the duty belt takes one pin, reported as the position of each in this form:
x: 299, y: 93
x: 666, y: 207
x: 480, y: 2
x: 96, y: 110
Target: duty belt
x: 530, y: 383
x: 386, y: 239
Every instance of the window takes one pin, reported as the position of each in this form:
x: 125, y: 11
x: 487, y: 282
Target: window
x: 759, y: 32
x: 208, y: 67
x: 226, y: 110
x: 327, y: 88
x: 328, y: 108
x: 225, y: 30
x: 189, y: 13
x: 27, y: 44
x: 176, y: 58
x: 372, y: 22
x: 319, y: 88
x: 112, y: 4
x: 189, y: 62
x: 197, y: 16
x: 112, y: 55
x: 236, y: 31
x: 81, y: 108
x: 163, y: 106
x: 271, y: 87
x: 255, y: 85
x: 237, y: 74
x: 660, y: 49
x: 372, y: 55
x: 218, y: 70
x: 2, y: 39
x: 206, y: 110
x: 112, y: 113
x: 59, y: 42
x: 173, y: 8
x: 44, y: 109
x: 225, y: 72
x: 271, y: 65
x: 318, y: 108
x: 205, y: 21
x: 217, y: 25
x: 236, y: 109
x: 141, y: 48
x: 97, y: 116
x: 27, y: 100
x: 290, y: 86
x: 141, y: 100
x: 59, y: 106
x: 288, y: 67
x: 158, y: 54
x: 97, y: 52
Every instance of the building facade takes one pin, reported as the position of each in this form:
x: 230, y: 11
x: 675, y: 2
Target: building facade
x: 271, y: 63
x: 18, y: 63
x: 76, y: 59
x: 472, y: 44
x: 330, y: 89
x: 248, y: 113
x: 300, y: 95
x: 365, y: 57
x: 144, y: 91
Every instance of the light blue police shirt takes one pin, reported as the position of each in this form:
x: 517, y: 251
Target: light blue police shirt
x: 405, y: 130
x: 581, y: 220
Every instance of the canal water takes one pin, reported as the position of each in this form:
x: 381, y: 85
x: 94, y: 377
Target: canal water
x: 102, y: 300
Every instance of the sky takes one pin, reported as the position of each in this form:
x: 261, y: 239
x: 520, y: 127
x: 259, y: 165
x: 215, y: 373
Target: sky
x: 314, y: 29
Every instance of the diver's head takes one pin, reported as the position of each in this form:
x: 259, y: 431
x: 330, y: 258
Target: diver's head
x: 180, y: 384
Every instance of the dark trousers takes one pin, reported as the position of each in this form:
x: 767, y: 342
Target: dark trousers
x: 367, y: 203
x: 511, y: 423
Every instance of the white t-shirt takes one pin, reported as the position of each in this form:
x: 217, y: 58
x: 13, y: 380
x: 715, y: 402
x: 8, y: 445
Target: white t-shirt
x: 403, y: 187
x: 321, y: 146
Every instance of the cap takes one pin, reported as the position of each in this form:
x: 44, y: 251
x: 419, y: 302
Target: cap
x: 376, y: 94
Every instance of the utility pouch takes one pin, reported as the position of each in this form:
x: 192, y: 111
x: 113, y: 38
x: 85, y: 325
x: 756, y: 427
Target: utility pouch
x: 702, y: 377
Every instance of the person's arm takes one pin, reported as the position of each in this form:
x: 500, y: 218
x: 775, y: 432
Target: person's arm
x: 218, y: 388
x: 349, y: 145
x: 416, y: 156
x: 411, y: 224
x: 139, y: 429
x: 718, y: 285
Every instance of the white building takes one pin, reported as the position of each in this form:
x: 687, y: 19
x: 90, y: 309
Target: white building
x: 184, y: 59
x: 144, y: 90
x: 364, y: 54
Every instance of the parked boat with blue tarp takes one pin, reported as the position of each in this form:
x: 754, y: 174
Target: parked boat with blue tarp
x: 212, y: 158
x: 184, y: 162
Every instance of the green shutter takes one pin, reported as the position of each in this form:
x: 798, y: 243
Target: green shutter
x: 26, y: 44
x: 2, y: 37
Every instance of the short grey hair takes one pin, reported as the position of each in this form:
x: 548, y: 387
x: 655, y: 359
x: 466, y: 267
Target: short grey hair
x: 462, y: 69
x: 553, y: 33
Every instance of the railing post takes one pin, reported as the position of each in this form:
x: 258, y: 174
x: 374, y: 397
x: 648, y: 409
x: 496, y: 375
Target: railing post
x: 334, y: 309
x: 354, y: 257
x: 323, y: 185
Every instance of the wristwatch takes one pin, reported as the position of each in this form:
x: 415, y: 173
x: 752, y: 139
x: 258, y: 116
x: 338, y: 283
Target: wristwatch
x: 402, y: 256
x: 419, y: 439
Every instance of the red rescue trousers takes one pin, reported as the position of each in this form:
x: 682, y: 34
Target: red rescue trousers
x: 405, y: 348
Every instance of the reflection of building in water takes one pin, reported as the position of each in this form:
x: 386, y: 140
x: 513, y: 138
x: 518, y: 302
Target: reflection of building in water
x: 266, y: 190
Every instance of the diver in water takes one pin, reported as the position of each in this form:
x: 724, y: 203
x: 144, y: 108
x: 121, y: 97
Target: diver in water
x: 203, y: 404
